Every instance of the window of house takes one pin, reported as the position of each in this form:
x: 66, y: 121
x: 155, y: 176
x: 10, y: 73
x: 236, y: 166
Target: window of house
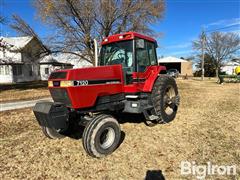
x: 4, y: 70
x: 7, y: 71
x: 46, y: 70
x: 30, y: 70
x: 17, y: 70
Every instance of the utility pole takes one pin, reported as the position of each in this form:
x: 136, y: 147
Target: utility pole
x: 203, y: 38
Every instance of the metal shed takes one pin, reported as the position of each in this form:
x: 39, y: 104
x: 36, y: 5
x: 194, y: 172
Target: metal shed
x: 183, y: 66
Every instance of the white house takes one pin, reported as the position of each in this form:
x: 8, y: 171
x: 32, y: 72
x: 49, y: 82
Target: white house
x: 74, y: 59
x: 229, y: 68
x: 19, y: 59
x: 54, y: 62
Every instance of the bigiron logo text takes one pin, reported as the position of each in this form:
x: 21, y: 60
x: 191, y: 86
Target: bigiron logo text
x: 209, y: 169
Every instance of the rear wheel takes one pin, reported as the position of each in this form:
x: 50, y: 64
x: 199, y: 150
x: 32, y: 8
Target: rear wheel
x: 165, y: 99
x: 101, y: 136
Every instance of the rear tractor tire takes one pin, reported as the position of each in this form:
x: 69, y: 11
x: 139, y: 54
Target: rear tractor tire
x: 101, y: 136
x: 165, y: 100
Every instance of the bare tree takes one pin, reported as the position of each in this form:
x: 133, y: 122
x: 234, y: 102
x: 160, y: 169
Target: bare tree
x: 19, y: 25
x: 23, y: 28
x: 236, y: 60
x: 220, y: 46
x: 78, y: 22
x: 2, y: 20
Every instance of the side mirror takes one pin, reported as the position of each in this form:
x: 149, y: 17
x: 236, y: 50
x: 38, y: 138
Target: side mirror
x: 140, y: 44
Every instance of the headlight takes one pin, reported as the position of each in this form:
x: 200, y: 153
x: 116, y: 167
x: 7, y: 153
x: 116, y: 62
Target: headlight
x: 66, y: 83
x: 50, y: 84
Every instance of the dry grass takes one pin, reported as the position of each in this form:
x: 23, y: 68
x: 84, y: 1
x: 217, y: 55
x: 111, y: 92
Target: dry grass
x: 207, y: 128
x: 17, y: 95
x: 23, y: 91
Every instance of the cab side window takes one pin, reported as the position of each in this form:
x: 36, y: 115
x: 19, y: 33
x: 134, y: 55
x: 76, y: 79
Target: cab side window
x: 145, y: 54
x: 152, y: 53
x: 142, y: 59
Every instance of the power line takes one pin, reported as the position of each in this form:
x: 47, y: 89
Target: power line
x: 226, y: 27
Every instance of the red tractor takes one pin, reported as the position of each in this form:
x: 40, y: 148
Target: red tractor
x: 127, y: 80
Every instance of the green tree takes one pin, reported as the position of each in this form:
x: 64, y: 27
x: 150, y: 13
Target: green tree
x: 209, y: 67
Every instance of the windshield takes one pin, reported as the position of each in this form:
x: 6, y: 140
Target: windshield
x: 117, y: 53
x: 172, y: 70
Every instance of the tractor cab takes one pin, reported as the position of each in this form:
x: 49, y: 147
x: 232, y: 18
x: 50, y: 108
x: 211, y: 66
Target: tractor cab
x: 135, y: 52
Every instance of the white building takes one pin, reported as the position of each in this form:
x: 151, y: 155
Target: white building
x: 184, y: 67
x: 229, y: 68
x: 21, y: 61
x: 54, y: 62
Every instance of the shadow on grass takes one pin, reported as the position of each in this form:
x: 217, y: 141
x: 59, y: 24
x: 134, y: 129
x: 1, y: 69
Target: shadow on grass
x: 154, y: 175
x: 129, y: 118
x: 213, y: 79
x: 24, y: 85
x: 75, y: 130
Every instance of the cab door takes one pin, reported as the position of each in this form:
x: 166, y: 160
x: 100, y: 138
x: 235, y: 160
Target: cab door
x: 145, y: 54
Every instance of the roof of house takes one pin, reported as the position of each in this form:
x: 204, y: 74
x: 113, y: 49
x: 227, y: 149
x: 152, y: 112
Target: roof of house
x: 171, y: 59
x: 65, y: 58
x: 231, y: 63
x: 16, y: 43
x: 9, y: 61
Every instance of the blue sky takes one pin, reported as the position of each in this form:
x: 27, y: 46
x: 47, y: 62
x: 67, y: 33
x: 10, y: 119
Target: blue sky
x: 182, y: 22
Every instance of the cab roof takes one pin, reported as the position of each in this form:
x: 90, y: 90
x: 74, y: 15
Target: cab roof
x: 125, y: 36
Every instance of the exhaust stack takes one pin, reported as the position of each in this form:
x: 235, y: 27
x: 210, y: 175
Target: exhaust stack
x: 96, y: 52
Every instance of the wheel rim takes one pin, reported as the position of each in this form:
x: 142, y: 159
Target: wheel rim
x: 169, y: 102
x: 107, y: 138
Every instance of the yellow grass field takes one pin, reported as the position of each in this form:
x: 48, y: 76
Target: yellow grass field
x: 207, y: 128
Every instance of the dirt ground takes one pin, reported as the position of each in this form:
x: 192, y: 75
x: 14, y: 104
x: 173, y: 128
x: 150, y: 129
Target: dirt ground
x: 23, y: 91
x: 207, y: 128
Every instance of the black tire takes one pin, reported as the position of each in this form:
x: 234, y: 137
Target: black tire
x: 51, y: 133
x: 164, y: 87
x: 101, y: 136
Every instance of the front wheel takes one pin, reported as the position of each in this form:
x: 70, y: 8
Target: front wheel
x: 165, y: 99
x: 101, y: 136
x: 52, y: 133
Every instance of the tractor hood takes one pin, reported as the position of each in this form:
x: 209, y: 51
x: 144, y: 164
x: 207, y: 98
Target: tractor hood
x: 89, y: 73
x: 79, y: 88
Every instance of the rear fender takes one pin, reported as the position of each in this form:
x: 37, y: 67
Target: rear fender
x: 153, y: 75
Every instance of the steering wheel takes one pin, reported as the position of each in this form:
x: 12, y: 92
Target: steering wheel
x: 120, y: 56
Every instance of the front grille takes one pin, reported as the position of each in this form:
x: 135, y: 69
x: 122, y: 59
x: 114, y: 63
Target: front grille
x: 58, y: 75
x: 56, y: 83
x: 60, y: 95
